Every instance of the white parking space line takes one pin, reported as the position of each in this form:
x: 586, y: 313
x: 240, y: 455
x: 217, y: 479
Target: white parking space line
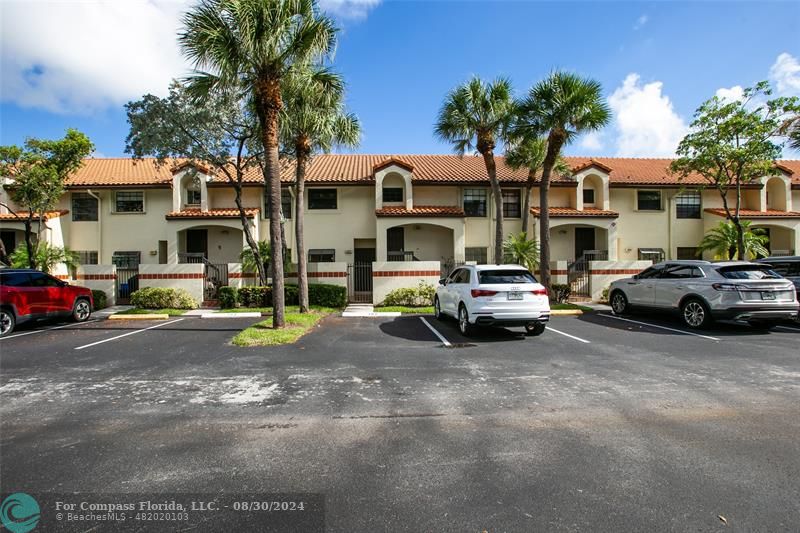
x: 661, y: 327
x: 127, y: 334
x: 47, y: 329
x: 435, y: 332
x: 568, y: 335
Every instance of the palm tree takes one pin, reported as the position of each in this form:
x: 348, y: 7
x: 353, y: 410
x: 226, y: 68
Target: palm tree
x: 251, y: 46
x: 47, y: 257
x: 723, y: 241
x: 476, y: 115
x: 314, y: 120
x: 518, y: 249
x: 248, y: 258
x: 561, y: 107
x: 529, y: 152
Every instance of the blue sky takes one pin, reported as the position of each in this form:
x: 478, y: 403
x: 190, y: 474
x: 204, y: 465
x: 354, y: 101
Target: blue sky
x: 656, y: 60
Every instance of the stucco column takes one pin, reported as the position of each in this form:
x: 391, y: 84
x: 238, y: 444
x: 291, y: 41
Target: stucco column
x: 611, y: 234
x: 459, y: 242
x: 380, y: 240
x: 796, y: 240
x: 173, y: 247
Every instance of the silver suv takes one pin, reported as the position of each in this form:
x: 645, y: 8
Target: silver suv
x: 786, y: 266
x: 703, y: 291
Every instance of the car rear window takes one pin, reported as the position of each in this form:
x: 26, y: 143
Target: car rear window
x: 505, y: 276
x: 748, y: 272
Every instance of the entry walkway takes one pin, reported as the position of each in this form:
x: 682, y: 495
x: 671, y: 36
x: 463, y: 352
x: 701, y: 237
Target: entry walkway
x: 362, y: 310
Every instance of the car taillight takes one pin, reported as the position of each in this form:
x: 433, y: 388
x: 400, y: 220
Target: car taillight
x: 540, y: 292
x: 482, y: 292
x: 726, y: 286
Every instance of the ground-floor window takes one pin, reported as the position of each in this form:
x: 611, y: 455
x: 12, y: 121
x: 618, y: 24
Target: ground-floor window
x: 126, y: 259
x: 87, y: 257
x: 656, y: 255
x: 321, y: 255
x: 687, y: 252
x: 477, y: 254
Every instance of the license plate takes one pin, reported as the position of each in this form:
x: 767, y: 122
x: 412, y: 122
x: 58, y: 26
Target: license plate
x: 515, y: 296
x: 767, y: 295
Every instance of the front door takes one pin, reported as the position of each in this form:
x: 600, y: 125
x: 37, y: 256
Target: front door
x: 9, y: 239
x: 197, y: 241
x: 584, y: 240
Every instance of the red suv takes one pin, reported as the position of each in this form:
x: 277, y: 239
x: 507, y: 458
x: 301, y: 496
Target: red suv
x: 29, y: 294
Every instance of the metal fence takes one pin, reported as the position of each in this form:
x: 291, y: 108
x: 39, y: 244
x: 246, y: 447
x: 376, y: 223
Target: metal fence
x: 359, y: 282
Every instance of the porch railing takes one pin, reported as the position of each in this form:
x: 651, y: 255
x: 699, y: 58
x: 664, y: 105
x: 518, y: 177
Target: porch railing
x: 449, y: 265
x: 191, y: 257
x: 401, y: 255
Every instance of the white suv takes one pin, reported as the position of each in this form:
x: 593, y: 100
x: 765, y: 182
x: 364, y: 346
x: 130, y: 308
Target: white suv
x: 493, y: 295
x: 703, y: 291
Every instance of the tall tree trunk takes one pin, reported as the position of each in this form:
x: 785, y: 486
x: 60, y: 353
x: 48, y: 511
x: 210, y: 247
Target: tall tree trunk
x: 299, y: 214
x: 491, y: 169
x: 248, y: 236
x: 526, y: 208
x: 268, y: 110
x: 738, y: 223
x: 554, y: 143
x: 29, y: 242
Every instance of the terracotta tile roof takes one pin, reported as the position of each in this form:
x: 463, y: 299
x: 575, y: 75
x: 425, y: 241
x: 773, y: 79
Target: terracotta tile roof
x: 211, y: 213
x: 752, y: 213
x: 360, y: 169
x: 561, y: 212
x: 421, y: 211
x: 11, y: 217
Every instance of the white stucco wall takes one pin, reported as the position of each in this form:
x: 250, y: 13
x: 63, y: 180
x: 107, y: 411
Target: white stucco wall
x: 390, y: 275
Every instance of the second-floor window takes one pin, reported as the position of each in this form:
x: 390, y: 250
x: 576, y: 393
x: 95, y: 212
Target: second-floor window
x: 648, y: 200
x: 322, y: 199
x: 588, y: 196
x: 129, y: 202
x: 286, y: 203
x: 475, y: 202
x: 688, y: 205
x: 392, y: 194
x: 84, y: 207
x: 511, y: 201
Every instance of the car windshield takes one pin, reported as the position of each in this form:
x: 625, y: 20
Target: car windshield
x: 505, y: 276
x: 748, y: 272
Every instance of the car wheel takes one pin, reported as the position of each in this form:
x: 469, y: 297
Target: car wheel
x: 7, y: 322
x: 695, y: 314
x: 535, y: 329
x: 619, y: 303
x: 762, y: 326
x: 437, y: 309
x: 81, y: 311
x: 463, y: 321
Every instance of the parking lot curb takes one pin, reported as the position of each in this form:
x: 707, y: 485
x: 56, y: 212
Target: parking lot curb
x: 152, y: 316
x: 566, y: 312
x: 251, y: 314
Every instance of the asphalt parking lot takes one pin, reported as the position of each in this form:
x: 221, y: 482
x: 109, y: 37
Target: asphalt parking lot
x: 403, y: 424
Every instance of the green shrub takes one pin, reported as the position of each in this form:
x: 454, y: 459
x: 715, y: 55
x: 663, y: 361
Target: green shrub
x: 560, y: 292
x: 162, y: 298
x: 255, y: 296
x: 604, y: 295
x: 327, y: 295
x: 100, y: 299
x: 420, y: 296
x: 228, y: 297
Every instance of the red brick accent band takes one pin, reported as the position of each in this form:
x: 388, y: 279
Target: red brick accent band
x: 97, y: 277
x: 240, y: 275
x: 558, y: 272
x: 614, y: 271
x: 63, y: 276
x: 405, y: 273
x: 173, y: 276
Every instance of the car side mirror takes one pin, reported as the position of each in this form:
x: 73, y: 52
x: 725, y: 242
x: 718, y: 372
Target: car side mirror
x: 442, y: 281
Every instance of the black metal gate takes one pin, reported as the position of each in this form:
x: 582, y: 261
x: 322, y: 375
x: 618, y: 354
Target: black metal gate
x: 216, y: 277
x: 127, y: 282
x: 359, y: 282
x: 578, y: 278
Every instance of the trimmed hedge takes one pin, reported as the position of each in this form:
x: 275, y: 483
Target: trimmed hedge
x: 162, y: 298
x: 420, y: 296
x: 560, y: 292
x: 100, y: 299
x: 318, y: 294
x: 228, y: 297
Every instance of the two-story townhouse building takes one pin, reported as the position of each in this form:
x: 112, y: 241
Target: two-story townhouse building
x: 362, y: 208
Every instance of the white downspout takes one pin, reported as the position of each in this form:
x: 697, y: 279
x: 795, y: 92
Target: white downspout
x: 99, y: 225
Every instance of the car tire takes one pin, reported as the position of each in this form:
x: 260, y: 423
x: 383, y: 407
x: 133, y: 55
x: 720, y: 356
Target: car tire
x: 82, y: 310
x: 619, y: 303
x: 695, y: 313
x: 437, y: 309
x: 535, y: 329
x: 7, y: 322
x: 762, y: 326
x: 464, y: 326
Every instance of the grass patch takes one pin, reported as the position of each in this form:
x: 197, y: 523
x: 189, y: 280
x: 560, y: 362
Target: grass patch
x: 139, y: 311
x: 568, y: 306
x: 427, y: 310
x: 297, y: 325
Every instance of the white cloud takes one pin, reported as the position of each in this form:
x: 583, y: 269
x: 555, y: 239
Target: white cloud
x: 640, y: 22
x: 645, y: 120
x: 80, y: 57
x: 785, y: 74
x: 732, y: 94
x: 592, y: 141
x: 349, y: 9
